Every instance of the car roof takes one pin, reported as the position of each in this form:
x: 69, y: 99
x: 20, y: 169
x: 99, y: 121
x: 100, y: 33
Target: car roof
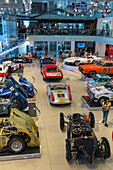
x: 102, y: 76
x: 106, y: 61
x: 51, y: 65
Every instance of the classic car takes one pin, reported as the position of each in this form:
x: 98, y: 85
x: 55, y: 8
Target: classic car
x: 18, y: 59
x: 51, y: 72
x: 13, y: 66
x: 98, y: 80
x: 101, y: 67
x: 17, y: 131
x: 46, y: 60
x: 59, y: 94
x: 99, y: 94
x: 76, y: 61
x: 66, y: 53
x: 81, y: 141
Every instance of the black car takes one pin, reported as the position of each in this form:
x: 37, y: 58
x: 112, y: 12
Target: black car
x: 81, y: 142
x: 19, y: 59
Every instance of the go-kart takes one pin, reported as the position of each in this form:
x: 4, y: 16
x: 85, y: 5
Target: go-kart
x: 81, y: 142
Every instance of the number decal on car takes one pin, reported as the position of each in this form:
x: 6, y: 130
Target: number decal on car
x: 105, y: 70
x: 88, y: 60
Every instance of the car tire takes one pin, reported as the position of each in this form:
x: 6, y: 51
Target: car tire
x: 68, y: 150
x: 105, y: 148
x: 92, y: 73
x: 44, y: 79
x: 91, y: 120
x: 102, y: 99
x: 61, y: 121
x: 76, y: 63
x: 16, y: 144
x: 68, y: 132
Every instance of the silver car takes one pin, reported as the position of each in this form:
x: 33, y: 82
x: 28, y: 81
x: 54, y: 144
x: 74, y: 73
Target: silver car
x: 59, y: 93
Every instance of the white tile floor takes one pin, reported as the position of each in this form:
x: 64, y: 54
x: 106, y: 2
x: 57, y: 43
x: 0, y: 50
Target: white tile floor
x: 52, y: 139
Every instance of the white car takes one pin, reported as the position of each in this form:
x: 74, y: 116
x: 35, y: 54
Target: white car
x: 76, y: 61
x: 59, y: 94
x: 98, y: 94
x: 14, y: 66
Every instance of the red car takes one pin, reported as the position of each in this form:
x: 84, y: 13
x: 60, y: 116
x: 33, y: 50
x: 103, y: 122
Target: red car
x: 51, y: 72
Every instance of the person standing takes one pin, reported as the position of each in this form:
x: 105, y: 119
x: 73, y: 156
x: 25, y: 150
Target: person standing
x: 62, y: 56
x: 106, y: 105
x: 69, y: 54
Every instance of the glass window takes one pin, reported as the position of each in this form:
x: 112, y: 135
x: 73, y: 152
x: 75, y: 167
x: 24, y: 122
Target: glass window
x: 52, y: 69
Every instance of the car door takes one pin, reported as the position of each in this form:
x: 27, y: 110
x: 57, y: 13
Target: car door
x: 108, y: 68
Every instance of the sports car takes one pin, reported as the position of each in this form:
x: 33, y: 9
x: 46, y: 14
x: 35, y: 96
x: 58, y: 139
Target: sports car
x: 59, y: 94
x: 46, y: 61
x: 98, y: 94
x: 17, y: 131
x: 81, y: 141
x: 51, y: 72
x: 98, y: 80
x: 76, y: 61
x: 18, y: 59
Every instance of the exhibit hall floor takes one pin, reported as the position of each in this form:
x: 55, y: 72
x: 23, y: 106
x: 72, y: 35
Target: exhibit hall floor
x: 52, y: 139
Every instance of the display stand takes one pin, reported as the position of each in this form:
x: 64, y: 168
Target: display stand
x: 92, y: 105
x: 28, y: 153
x: 73, y: 68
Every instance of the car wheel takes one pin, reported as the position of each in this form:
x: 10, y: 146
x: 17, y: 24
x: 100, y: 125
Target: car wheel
x: 102, y: 99
x: 105, y: 148
x: 91, y: 120
x: 24, y: 60
x: 44, y: 79
x: 18, y: 104
x: 76, y: 63
x: 68, y: 150
x: 68, y: 132
x: 92, y: 74
x: 16, y: 144
x: 61, y: 121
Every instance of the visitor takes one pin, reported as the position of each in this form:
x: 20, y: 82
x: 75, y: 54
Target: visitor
x: 69, y: 54
x: 106, y: 105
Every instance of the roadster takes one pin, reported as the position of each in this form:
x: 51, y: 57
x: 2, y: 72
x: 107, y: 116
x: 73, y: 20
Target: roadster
x: 81, y: 142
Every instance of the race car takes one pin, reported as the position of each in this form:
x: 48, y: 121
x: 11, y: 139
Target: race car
x: 76, y: 61
x: 46, y: 60
x: 59, y: 94
x: 17, y: 131
x: 81, y: 141
x: 98, y: 80
x: 18, y: 59
x: 51, y: 72
x: 101, y: 67
x: 99, y: 94
x: 13, y: 67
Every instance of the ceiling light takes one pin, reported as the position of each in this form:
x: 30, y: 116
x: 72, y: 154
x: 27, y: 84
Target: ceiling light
x: 82, y: 15
x: 15, y: 1
x: 7, y: 1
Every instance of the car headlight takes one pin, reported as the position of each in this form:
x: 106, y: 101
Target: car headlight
x: 59, y: 74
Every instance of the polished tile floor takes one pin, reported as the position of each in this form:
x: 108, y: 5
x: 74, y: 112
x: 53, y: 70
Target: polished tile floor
x: 52, y: 139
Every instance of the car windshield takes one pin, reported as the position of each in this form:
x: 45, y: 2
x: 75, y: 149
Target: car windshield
x: 52, y: 69
x: 47, y: 60
x: 58, y: 88
x: 109, y: 86
x: 100, y: 63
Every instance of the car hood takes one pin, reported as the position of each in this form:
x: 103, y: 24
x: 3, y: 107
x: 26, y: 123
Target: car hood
x: 55, y: 92
x: 88, y: 147
x: 99, y: 90
x: 21, y: 120
x: 90, y: 66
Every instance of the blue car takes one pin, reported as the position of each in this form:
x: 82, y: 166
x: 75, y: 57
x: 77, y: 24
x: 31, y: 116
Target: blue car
x: 46, y: 60
x: 99, y: 79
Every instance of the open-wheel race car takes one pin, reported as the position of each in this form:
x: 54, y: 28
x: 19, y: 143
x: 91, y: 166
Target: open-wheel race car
x: 81, y: 142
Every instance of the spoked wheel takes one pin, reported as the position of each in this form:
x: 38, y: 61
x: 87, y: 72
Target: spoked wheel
x: 61, y: 121
x: 91, y: 120
x: 92, y: 73
x: 105, y: 148
x: 16, y: 144
x: 68, y: 150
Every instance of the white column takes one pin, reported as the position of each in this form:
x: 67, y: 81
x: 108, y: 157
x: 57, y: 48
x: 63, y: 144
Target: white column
x: 73, y: 46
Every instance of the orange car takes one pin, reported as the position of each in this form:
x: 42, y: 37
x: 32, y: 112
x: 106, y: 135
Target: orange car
x: 101, y: 67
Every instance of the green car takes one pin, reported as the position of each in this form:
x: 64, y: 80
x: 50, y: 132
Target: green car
x: 18, y: 131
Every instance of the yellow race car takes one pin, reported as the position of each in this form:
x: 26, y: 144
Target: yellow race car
x: 18, y: 131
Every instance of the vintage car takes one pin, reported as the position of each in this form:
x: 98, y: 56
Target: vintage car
x: 81, y: 141
x: 76, y: 61
x: 13, y: 66
x: 59, y: 94
x: 66, y: 53
x: 17, y: 131
x: 51, y: 72
x: 101, y: 67
x: 99, y: 94
x: 18, y: 59
x: 98, y: 80
x: 46, y: 60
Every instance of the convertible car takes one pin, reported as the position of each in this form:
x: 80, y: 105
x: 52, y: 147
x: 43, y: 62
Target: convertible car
x: 76, y: 61
x: 81, y: 142
x: 17, y: 131
x: 59, y: 94
x: 51, y: 72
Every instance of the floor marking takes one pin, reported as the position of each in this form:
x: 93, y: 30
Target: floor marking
x: 75, y: 72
